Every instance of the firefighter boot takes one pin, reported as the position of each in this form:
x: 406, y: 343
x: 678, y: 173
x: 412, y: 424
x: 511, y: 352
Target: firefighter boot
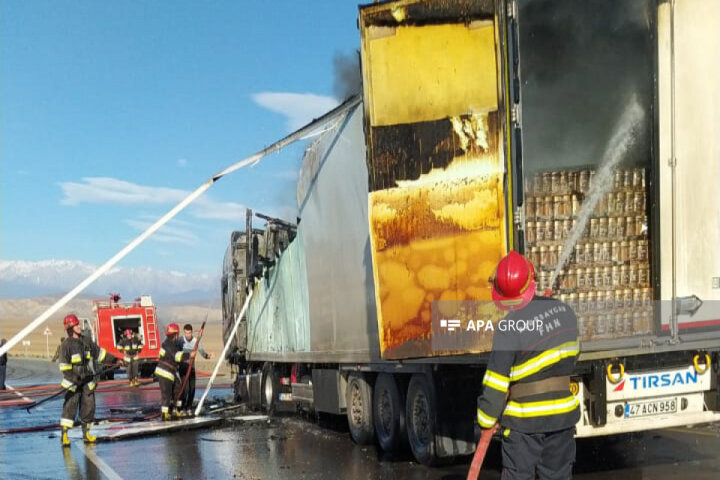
x: 64, y: 439
x: 166, y: 414
x: 87, y: 438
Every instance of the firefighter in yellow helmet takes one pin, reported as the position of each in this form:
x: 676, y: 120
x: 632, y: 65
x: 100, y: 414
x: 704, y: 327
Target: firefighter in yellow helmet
x: 171, y: 355
x: 76, y: 354
x: 526, y: 386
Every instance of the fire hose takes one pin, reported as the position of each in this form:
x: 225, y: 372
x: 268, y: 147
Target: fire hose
x: 85, y: 380
x: 480, y: 452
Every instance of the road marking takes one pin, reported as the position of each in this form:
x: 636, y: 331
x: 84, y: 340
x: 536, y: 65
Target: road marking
x: 99, y: 463
x: 8, y: 386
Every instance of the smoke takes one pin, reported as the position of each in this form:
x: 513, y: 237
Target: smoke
x: 347, y: 78
x: 580, y: 63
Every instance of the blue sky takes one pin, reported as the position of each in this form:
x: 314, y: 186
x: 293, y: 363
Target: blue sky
x: 110, y: 112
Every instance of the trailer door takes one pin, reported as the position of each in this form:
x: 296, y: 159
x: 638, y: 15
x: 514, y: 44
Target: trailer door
x: 689, y: 110
x: 434, y: 121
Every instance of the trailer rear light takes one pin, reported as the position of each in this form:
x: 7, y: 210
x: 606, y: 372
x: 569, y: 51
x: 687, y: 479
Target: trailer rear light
x: 619, y: 411
x: 284, y: 380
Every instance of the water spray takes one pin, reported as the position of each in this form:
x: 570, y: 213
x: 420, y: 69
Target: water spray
x: 622, y: 139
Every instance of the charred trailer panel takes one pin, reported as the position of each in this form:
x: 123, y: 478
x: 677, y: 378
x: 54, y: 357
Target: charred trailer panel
x: 436, y: 153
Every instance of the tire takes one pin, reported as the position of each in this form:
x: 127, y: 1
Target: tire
x: 270, y: 388
x: 389, y: 413
x: 358, y: 397
x: 420, y: 418
x: 240, y: 389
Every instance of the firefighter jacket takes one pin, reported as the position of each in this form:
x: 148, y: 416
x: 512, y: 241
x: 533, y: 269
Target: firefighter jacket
x: 170, y: 356
x: 76, y: 357
x: 131, y: 347
x: 536, y: 343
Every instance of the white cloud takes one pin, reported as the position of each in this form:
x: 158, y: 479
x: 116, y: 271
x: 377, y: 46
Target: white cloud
x: 106, y: 190
x: 168, y: 233
x: 298, y: 108
x: 113, y: 191
x: 206, y: 208
x: 182, y: 162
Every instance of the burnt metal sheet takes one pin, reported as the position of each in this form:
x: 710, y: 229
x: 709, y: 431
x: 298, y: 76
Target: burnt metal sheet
x: 278, y: 317
x: 423, y: 12
x: 336, y: 321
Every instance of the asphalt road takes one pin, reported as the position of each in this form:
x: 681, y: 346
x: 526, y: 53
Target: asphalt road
x: 293, y: 447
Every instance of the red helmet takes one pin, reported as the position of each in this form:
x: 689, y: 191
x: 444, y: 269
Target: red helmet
x: 514, y: 284
x: 172, y: 328
x: 128, y: 332
x: 70, y: 321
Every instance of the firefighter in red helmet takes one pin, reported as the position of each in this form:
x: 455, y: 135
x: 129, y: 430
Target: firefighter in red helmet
x: 77, y: 354
x: 131, y: 346
x: 526, y: 386
x: 166, y: 371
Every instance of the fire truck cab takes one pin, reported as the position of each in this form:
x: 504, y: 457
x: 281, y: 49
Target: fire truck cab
x: 112, y: 318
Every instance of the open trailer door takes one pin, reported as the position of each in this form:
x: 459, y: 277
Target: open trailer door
x: 434, y: 123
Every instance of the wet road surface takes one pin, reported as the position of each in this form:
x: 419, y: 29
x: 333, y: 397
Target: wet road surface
x: 293, y: 447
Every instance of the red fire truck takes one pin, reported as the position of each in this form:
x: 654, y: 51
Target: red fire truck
x: 112, y: 318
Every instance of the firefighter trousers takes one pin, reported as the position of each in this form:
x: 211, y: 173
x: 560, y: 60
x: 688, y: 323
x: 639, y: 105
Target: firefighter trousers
x: 132, y: 369
x: 550, y: 455
x: 168, y: 391
x: 83, y: 397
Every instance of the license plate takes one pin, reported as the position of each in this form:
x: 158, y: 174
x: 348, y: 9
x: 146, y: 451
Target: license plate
x: 652, y: 407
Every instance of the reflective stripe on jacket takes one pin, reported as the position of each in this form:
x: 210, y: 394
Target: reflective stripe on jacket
x: 168, y: 359
x: 528, y: 356
x: 76, y: 355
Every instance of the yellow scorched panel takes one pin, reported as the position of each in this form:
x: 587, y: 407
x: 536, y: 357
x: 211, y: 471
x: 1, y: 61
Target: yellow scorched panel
x: 430, y: 72
x: 435, y: 238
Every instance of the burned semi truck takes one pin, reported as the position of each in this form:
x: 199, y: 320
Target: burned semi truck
x: 582, y: 134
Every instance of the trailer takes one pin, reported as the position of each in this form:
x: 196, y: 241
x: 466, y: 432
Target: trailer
x: 111, y: 320
x: 582, y: 134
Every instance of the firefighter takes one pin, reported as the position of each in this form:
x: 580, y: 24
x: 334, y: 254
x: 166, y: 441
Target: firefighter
x: 76, y: 356
x: 169, y: 358
x: 187, y: 344
x: 526, y: 387
x: 131, y: 345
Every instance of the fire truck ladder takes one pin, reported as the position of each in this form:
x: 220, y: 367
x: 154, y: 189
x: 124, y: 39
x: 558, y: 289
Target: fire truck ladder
x: 151, y: 329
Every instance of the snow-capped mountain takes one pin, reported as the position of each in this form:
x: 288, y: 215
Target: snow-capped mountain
x: 21, y: 279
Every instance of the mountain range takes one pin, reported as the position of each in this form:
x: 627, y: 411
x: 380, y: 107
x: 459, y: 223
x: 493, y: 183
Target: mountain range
x: 24, y: 279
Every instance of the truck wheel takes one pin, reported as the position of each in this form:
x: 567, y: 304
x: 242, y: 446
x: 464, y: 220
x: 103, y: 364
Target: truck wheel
x: 270, y: 388
x: 389, y: 413
x: 359, y: 396
x: 420, y: 410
